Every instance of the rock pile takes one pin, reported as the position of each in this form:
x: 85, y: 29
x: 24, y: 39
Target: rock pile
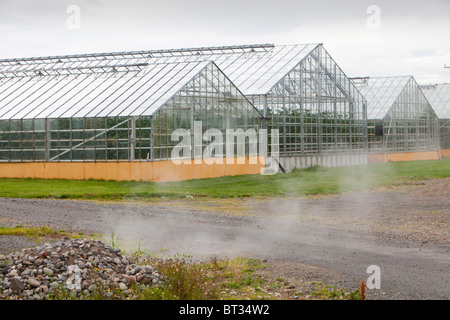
x: 76, y: 266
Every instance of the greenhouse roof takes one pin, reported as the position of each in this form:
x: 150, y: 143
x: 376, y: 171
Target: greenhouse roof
x: 106, y: 88
x: 254, y: 69
x: 132, y: 83
x: 381, y: 93
x: 439, y: 97
x: 257, y: 69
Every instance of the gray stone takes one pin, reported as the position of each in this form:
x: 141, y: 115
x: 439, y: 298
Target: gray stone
x: 16, y: 285
x: 48, y: 271
x: 26, y: 272
x: 33, y: 282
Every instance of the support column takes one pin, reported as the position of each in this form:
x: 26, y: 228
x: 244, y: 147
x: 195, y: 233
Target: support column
x: 47, y: 139
x: 319, y: 101
x: 133, y: 138
x: 152, y: 141
x: 302, y: 112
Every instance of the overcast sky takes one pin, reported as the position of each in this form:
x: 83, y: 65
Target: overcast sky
x: 366, y: 38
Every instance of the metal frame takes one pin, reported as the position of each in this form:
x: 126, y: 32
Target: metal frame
x: 187, y: 92
x: 439, y: 97
x: 317, y: 109
x: 138, y: 54
x: 87, y: 101
x: 399, y: 105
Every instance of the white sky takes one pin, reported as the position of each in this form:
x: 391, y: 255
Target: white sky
x: 409, y: 38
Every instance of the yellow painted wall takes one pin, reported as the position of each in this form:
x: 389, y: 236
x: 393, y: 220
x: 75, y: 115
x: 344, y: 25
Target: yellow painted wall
x: 157, y: 171
x: 445, y: 153
x: 403, y: 156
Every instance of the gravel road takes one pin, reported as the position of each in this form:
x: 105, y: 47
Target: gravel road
x: 403, y: 231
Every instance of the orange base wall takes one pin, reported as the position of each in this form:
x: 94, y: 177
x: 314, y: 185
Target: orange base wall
x: 445, y: 153
x: 403, y: 156
x: 157, y: 171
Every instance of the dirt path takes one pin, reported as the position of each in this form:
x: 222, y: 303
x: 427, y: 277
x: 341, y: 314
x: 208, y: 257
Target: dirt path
x: 335, y: 238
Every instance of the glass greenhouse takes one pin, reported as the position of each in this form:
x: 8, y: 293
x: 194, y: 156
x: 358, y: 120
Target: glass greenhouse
x: 302, y: 92
x: 111, y: 107
x: 123, y: 106
x: 400, y: 118
x: 439, y: 97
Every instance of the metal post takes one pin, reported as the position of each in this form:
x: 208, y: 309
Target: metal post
x: 319, y: 100
x: 47, y: 139
x: 366, y: 130
x: 335, y: 110
x: 133, y: 138
x: 265, y: 106
x: 284, y: 119
x: 152, y: 141
x: 350, y: 111
x: 302, y: 114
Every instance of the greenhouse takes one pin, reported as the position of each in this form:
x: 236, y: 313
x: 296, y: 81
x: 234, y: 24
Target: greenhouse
x: 439, y: 97
x: 402, y: 125
x: 123, y: 107
x: 111, y: 109
x: 302, y: 92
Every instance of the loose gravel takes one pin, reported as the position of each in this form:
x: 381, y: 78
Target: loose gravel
x: 71, y: 265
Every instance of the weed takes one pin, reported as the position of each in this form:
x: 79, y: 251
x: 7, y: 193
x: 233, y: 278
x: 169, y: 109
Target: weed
x: 362, y: 290
x: 3, y: 263
x: 331, y: 292
x: 139, y: 255
x: 187, y: 280
x: 114, y: 239
x: 20, y: 230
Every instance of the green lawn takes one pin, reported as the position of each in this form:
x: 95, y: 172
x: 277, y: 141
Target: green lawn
x: 316, y: 180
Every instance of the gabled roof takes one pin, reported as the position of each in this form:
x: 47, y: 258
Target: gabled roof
x: 118, y: 90
x: 255, y: 71
x: 381, y: 93
x: 439, y: 97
